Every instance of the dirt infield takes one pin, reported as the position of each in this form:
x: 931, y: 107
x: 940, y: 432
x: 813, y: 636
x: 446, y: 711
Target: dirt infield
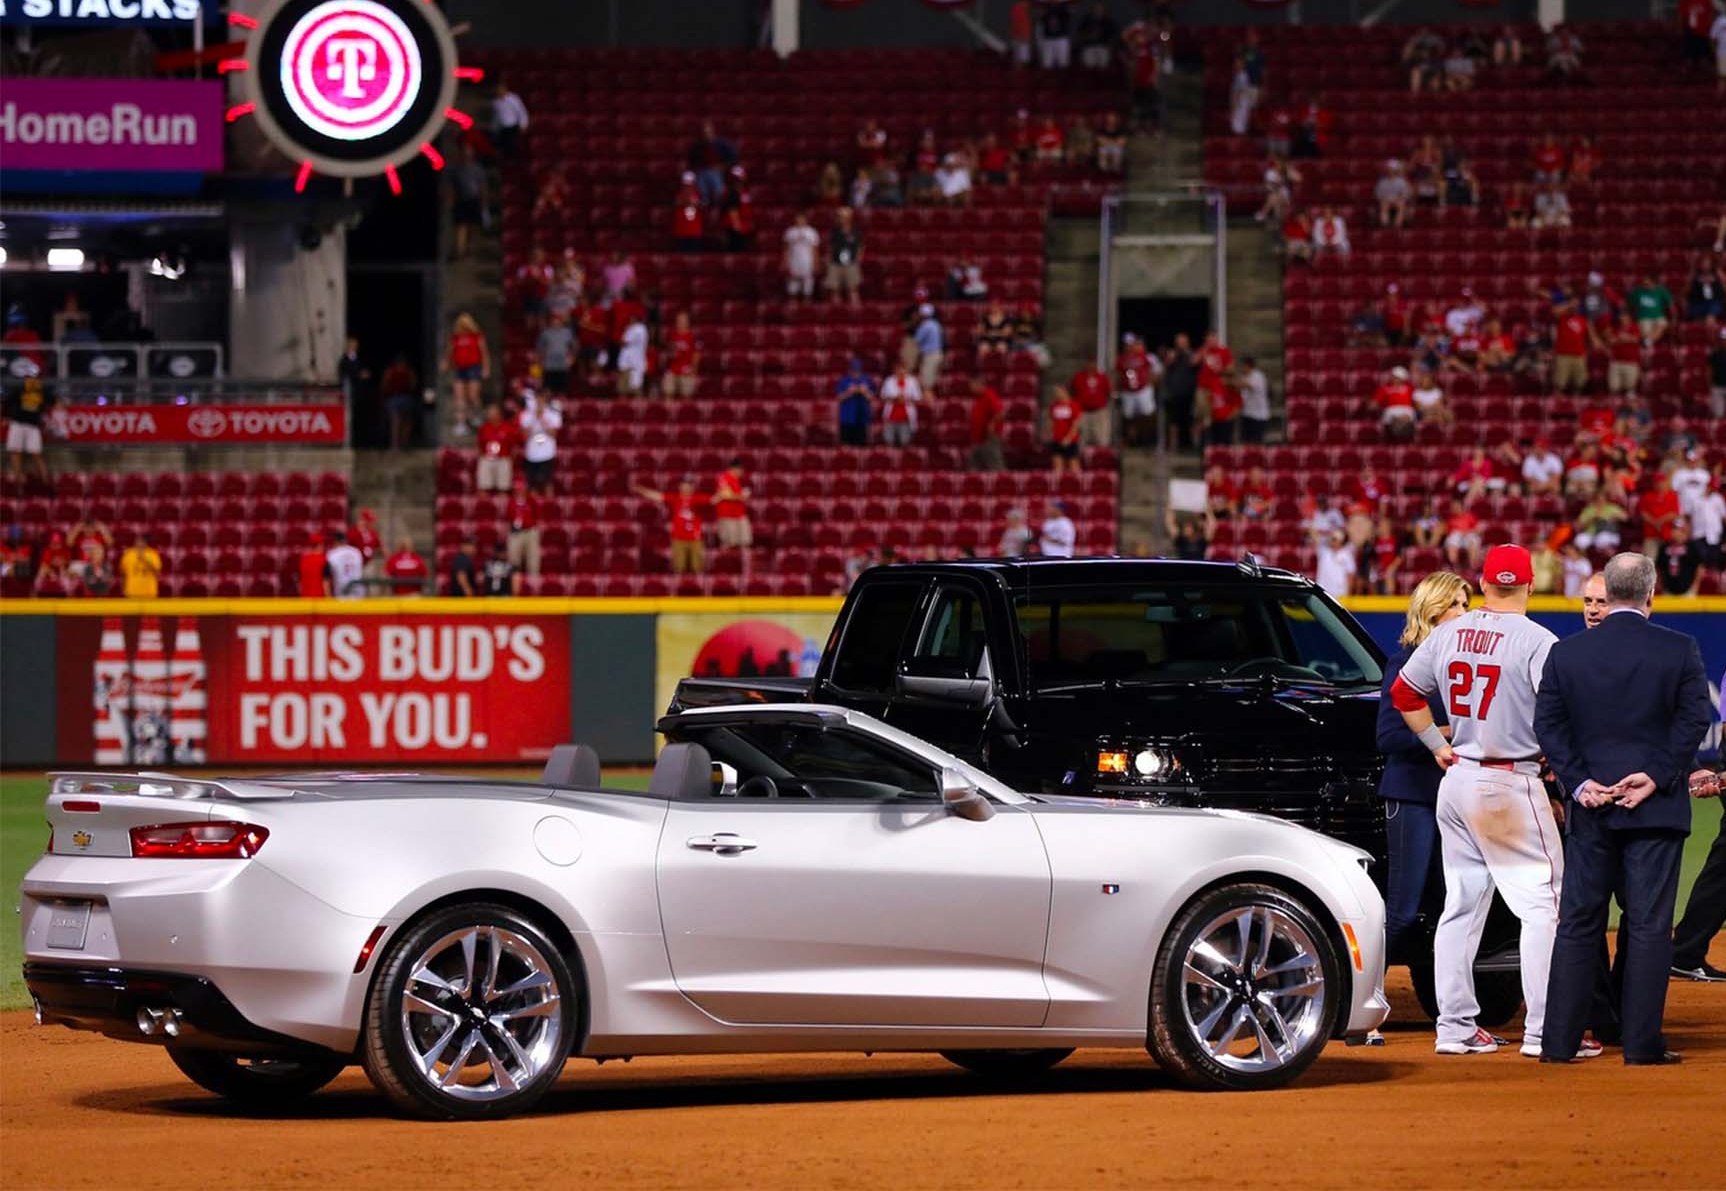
x: 79, y: 1111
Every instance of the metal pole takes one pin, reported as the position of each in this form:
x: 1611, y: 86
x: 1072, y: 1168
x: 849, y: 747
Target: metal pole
x: 1220, y: 304
x: 1105, y: 238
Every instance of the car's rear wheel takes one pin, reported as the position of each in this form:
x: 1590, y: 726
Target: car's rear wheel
x: 256, y: 1082
x: 1007, y: 1064
x: 1246, y: 991
x: 472, y: 1015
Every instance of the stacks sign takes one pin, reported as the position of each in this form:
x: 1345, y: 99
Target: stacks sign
x: 113, y: 695
x: 188, y: 702
x: 150, y: 743
x: 352, y: 88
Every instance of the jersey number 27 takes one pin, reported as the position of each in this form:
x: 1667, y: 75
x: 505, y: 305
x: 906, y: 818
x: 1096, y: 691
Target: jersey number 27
x: 1462, y: 681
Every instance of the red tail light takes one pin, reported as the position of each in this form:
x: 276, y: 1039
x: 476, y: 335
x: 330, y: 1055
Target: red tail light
x: 208, y: 841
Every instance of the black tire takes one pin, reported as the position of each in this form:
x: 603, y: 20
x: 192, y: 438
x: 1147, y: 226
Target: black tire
x: 1007, y: 1064
x: 1499, y: 994
x: 388, y: 1041
x: 1174, y: 1038
x: 258, y: 1083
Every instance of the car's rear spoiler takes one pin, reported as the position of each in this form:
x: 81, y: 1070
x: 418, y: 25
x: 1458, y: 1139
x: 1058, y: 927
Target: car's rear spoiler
x: 162, y: 785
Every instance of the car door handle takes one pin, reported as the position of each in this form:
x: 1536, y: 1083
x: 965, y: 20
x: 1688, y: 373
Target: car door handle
x: 724, y: 843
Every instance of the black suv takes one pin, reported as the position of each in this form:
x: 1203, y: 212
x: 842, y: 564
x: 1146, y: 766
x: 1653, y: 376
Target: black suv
x: 1174, y: 683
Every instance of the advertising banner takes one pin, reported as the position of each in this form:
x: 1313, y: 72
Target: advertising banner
x: 111, y: 125
x: 107, y: 14
x: 213, y: 425
x: 727, y: 645
x: 312, y: 690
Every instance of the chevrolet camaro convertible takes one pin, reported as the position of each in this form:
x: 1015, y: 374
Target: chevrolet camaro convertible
x: 794, y: 878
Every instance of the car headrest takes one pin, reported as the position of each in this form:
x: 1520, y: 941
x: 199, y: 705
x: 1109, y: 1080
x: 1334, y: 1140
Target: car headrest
x: 572, y: 766
x: 684, y: 772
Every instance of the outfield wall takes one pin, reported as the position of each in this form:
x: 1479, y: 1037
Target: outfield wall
x: 431, y: 682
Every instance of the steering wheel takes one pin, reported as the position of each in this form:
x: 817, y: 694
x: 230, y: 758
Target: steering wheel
x: 1249, y: 666
x: 759, y: 786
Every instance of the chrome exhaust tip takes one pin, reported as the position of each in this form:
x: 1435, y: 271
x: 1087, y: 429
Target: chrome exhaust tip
x: 150, y: 1021
x: 36, y: 1008
x: 171, y: 1022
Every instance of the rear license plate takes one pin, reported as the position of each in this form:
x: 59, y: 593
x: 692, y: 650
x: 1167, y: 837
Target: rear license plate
x: 68, y: 923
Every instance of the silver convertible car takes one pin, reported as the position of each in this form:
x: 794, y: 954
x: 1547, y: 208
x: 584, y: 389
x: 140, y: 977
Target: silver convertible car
x: 794, y: 878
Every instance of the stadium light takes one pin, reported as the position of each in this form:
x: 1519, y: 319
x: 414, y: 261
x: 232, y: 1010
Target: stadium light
x: 65, y: 260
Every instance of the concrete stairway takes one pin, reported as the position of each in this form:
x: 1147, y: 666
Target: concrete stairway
x: 1168, y: 162
x: 401, y: 488
x: 1256, y: 303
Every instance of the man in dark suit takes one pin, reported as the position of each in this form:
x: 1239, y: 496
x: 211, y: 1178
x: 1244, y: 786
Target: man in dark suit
x: 1620, y: 713
x: 1706, y: 913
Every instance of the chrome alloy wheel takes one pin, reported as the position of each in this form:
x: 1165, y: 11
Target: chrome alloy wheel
x: 1253, y: 988
x: 481, y: 1013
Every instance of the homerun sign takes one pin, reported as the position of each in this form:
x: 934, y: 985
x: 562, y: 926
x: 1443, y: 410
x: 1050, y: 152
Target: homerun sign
x: 111, y: 124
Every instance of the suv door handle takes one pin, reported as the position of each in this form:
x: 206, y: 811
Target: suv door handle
x: 724, y: 843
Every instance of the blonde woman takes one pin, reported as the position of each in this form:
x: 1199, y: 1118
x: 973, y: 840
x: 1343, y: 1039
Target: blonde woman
x: 1409, y: 786
x: 470, y: 363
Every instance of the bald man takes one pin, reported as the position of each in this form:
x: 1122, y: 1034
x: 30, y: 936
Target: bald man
x: 1594, y: 600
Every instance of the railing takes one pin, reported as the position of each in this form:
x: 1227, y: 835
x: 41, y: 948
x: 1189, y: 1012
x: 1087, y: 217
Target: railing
x: 115, y: 366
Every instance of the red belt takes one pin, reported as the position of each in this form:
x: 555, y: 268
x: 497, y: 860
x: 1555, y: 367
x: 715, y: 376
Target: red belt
x: 1501, y: 763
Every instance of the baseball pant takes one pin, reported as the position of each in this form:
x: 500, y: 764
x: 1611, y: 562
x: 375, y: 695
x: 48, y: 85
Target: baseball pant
x: 1706, y: 913
x: 1495, y: 829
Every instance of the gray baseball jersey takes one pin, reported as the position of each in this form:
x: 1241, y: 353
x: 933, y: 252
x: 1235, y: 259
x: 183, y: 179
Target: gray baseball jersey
x: 1486, y: 667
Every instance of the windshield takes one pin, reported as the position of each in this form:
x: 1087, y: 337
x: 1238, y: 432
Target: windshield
x: 1124, y: 634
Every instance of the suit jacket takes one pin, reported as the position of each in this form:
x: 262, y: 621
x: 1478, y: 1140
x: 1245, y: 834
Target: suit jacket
x: 1626, y: 697
x: 1410, y: 773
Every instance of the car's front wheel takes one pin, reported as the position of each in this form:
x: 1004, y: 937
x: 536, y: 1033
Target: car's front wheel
x: 1246, y: 991
x: 1007, y: 1064
x: 258, y: 1083
x: 472, y: 1015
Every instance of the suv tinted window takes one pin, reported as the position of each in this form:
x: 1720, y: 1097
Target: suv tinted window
x: 953, y: 642
x: 1136, y: 634
x: 874, y: 633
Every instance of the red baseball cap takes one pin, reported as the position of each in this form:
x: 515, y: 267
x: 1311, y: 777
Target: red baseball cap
x: 1508, y: 566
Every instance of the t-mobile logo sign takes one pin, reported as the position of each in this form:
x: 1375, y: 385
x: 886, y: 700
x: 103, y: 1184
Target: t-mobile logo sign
x: 350, y: 69
x: 352, y: 60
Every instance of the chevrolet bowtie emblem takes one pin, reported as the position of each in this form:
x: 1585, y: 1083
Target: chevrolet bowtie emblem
x: 82, y: 839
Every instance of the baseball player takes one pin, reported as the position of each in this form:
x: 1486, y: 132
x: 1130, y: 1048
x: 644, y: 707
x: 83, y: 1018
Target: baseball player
x: 1496, y: 826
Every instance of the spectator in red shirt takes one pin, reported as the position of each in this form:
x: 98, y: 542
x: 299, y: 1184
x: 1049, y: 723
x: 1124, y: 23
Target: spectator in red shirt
x: 1222, y: 495
x: 1584, y: 160
x: 534, y: 276
x: 1256, y: 495
x: 1697, y: 19
x: 737, y: 212
x: 1312, y: 129
x: 1549, y: 159
x: 995, y: 162
x: 1136, y: 376
x: 1624, y: 345
x: 900, y: 396
x: 731, y: 507
x: 314, y: 569
x: 1462, y: 541
x: 1050, y: 142
x: 499, y: 440
x: 688, y: 553
x: 1224, y: 408
x: 407, y: 569
x: 1473, y: 475
x: 1395, y: 400
x: 683, y: 366
x: 523, y: 514
x: 1090, y: 388
x: 363, y: 535
x: 1297, y: 236
x: 1497, y: 349
x: 470, y: 361
x: 1659, y: 509
x: 1064, y: 415
x: 1515, y: 206
x: 988, y: 416
x: 1571, y: 340
x: 1582, y: 473
x: 688, y: 225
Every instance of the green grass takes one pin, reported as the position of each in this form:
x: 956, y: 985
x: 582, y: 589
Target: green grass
x: 24, y: 833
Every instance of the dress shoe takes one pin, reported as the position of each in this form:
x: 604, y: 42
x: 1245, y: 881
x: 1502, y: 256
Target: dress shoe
x: 1703, y: 972
x: 1667, y: 1058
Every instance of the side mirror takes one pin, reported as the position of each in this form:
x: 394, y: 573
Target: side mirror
x: 963, y: 799
x: 724, y: 780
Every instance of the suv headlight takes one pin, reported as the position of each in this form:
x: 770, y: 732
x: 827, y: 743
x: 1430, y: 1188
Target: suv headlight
x: 1153, y: 764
